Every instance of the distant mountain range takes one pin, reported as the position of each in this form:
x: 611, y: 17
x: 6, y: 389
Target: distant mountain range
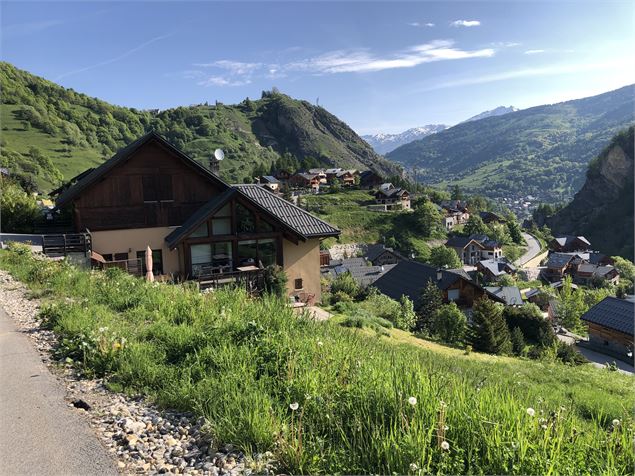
x: 50, y: 133
x: 541, y: 151
x: 384, y: 143
x: 499, y: 111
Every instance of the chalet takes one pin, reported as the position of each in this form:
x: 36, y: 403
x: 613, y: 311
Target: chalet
x: 347, y: 177
x: 369, y: 179
x: 270, y: 182
x: 475, y: 248
x: 331, y: 174
x: 305, y: 180
x: 491, y: 217
x: 509, y: 294
x: 610, y: 324
x: 587, y: 273
x: 454, y: 213
x: 569, y: 243
x: 198, y: 226
x: 494, y: 269
x: 410, y: 277
x: 393, y: 199
x: 454, y: 205
x: 320, y: 173
x: 558, y: 265
x: 380, y: 255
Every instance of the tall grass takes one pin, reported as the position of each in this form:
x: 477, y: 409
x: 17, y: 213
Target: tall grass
x: 242, y: 362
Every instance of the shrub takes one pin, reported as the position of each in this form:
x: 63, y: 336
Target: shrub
x: 346, y: 284
x: 449, y: 324
x: 276, y: 280
x: 406, y: 317
x: 528, y: 318
x: 518, y: 341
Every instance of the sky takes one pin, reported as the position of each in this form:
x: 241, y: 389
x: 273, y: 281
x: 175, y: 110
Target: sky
x: 379, y: 66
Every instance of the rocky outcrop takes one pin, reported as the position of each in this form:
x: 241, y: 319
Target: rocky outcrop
x: 603, y: 209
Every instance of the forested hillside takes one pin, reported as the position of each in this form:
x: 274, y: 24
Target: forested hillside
x: 542, y: 151
x: 50, y: 133
x: 603, y: 209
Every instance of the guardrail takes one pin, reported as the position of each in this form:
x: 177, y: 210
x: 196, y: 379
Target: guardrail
x: 64, y: 244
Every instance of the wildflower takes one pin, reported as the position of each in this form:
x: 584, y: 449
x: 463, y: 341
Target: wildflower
x: 116, y: 346
x: 294, y: 406
x: 616, y: 423
x: 543, y: 426
x: 445, y: 446
x: 443, y: 404
x: 320, y: 343
x: 514, y: 445
x: 412, y: 401
x: 531, y: 412
x: 413, y: 467
x: 123, y: 340
x: 103, y: 329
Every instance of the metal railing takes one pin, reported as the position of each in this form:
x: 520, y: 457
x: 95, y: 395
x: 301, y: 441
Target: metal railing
x: 252, y: 281
x: 64, y: 244
x: 132, y: 266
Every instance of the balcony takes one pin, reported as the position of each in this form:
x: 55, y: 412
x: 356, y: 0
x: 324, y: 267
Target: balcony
x: 250, y: 278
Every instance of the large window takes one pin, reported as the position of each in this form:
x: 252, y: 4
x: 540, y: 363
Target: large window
x: 267, y: 251
x: 257, y: 252
x: 210, y: 258
x: 245, y: 219
x: 200, y: 232
x: 222, y: 222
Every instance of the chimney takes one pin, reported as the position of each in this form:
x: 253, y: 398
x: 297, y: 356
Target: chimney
x: 214, y: 166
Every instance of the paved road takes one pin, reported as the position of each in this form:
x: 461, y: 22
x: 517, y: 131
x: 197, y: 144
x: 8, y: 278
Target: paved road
x: 39, y: 433
x: 533, y: 248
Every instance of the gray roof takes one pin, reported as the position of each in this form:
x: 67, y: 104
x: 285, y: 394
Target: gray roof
x: 375, y: 251
x: 121, y: 156
x: 613, y: 313
x: 410, y: 277
x: 360, y: 270
x: 393, y: 192
x: 270, y: 179
x: 558, y: 260
x: 497, y: 267
x: 301, y: 221
x: 459, y: 242
x: 568, y: 239
x: 595, y: 269
x: 510, y: 294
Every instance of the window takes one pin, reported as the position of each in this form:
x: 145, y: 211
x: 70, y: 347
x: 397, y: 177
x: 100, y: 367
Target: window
x: 221, y: 221
x: 121, y: 256
x: 264, y: 226
x: 245, y: 220
x: 267, y: 252
x: 297, y: 284
x: 248, y: 253
x: 200, y: 232
x: 107, y: 257
x: 209, y: 258
x: 453, y: 294
x: 157, y: 261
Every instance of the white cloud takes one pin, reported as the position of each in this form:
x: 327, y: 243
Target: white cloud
x: 417, y: 24
x: 504, y: 44
x: 430, y: 25
x: 220, y: 81
x: 234, y: 67
x: 534, y: 52
x: 467, y: 23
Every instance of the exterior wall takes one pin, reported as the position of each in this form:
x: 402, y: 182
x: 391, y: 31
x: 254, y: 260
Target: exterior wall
x: 609, y: 341
x: 302, y: 261
x: 120, y: 241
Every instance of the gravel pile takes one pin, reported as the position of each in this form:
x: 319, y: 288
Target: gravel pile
x: 143, y: 439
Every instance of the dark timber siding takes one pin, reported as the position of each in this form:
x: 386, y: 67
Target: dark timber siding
x: 152, y: 188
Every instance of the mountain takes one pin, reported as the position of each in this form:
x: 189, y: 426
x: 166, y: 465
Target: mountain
x: 384, y: 143
x: 50, y: 133
x: 541, y: 151
x: 499, y: 111
x: 602, y: 210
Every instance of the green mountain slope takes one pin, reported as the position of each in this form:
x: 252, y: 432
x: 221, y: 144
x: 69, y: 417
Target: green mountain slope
x: 50, y: 133
x: 603, y: 209
x: 541, y: 151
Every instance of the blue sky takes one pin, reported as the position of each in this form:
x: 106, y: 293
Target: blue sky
x: 379, y: 66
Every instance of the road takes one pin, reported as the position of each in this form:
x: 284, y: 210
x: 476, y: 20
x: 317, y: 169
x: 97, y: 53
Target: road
x: 39, y: 432
x: 533, y: 248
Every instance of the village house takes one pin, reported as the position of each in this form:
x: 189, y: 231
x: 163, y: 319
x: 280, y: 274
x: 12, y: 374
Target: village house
x: 360, y: 269
x: 197, y: 226
x: 380, y: 255
x: 347, y: 177
x: 392, y: 199
x: 331, y: 174
x: 410, y: 277
x: 320, y: 173
x: 454, y: 213
x: 494, y: 269
x: 475, y: 248
x: 610, y: 327
x: 303, y: 180
x: 568, y: 243
x: 558, y: 265
x: 369, y: 179
x: 509, y: 294
x: 270, y: 182
x: 491, y: 217
x: 587, y: 273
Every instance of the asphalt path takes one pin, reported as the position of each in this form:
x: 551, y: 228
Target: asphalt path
x: 533, y: 248
x: 39, y: 433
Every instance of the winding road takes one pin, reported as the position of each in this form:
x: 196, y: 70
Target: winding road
x: 533, y: 249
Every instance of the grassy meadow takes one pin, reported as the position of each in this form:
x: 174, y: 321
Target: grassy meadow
x: 365, y: 404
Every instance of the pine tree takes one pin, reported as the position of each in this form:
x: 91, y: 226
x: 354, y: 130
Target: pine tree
x: 430, y: 301
x: 488, y: 330
x: 518, y: 341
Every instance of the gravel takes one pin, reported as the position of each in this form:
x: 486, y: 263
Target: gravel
x: 143, y: 438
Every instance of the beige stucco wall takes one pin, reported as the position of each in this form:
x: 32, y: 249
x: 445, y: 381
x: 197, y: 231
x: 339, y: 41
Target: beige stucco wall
x: 303, y: 261
x: 120, y: 241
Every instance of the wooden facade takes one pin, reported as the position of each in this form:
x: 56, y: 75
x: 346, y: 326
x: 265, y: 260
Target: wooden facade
x: 150, y: 189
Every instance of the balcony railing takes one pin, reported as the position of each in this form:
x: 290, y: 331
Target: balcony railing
x: 132, y: 266
x: 252, y: 280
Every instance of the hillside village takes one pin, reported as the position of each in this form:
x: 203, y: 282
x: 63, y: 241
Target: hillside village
x: 308, y: 308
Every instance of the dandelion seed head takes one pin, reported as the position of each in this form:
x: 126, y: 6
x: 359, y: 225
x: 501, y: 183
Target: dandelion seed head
x: 543, y: 426
x: 320, y: 343
x: 531, y: 412
x: 413, y: 467
x: 412, y: 401
x: 616, y: 422
x: 445, y: 446
x: 294, y: 406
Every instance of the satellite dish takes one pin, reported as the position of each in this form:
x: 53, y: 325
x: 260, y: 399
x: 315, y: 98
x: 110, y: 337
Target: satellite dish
x: 219, y: 154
